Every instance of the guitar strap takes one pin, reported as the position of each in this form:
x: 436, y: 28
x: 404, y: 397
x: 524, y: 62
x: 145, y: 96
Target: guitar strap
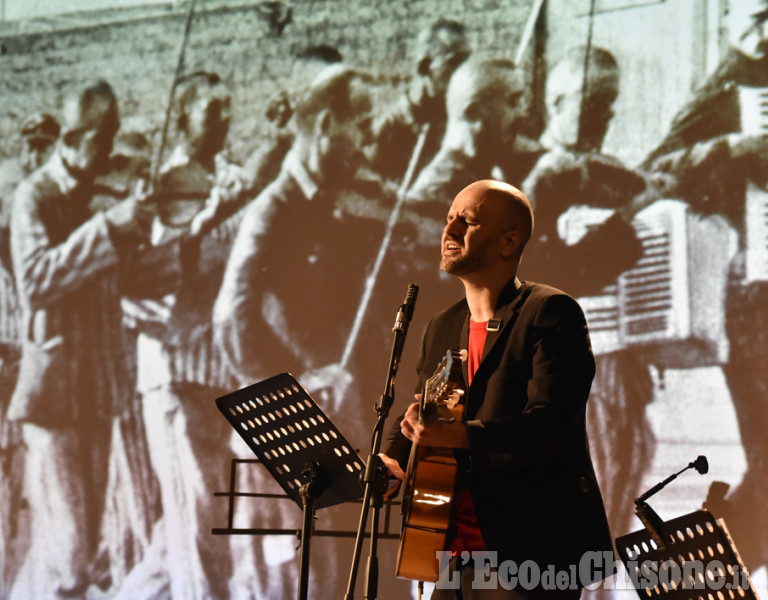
x: 506, y: 315
x: 512, y: 299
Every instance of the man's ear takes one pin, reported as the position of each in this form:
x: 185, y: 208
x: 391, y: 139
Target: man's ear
x: 459, y: 136
x: 323, y: 123
x: 320, y: 141
x: 509, y: 243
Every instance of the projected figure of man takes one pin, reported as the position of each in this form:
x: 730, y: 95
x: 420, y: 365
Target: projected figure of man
x: 179, y: 370
x: 291, y: 289
x: 74, y: 377
x: 574, y: 174
x: 486, y: 104
x: 38, y: 132
x: 440, y: 49
x: 263, y: 164
x: 485, y: 107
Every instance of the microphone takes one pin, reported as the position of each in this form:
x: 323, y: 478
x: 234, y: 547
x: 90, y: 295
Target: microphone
x: 402, y: 320
x: 700, y: 464
x: 405, y: 314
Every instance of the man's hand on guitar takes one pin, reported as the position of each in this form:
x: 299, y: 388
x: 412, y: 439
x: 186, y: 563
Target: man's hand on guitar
x: 439, y: 429
x: 396, y: 475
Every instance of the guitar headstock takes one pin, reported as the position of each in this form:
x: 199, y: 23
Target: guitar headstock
x: 444, y: 387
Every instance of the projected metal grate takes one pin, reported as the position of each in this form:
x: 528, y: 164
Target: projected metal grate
x: 289, y: 433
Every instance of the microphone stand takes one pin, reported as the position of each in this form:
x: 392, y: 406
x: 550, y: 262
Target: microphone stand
x: 376, y: 475
x: 650, y: 519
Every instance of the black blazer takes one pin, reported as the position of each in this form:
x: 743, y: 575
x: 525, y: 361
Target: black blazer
x: 528, y: 466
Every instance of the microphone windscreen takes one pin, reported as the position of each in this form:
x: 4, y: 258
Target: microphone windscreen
x: 701, y: 464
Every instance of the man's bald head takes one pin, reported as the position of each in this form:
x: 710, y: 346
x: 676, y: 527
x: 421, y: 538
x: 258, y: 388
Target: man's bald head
x: 511, y: 205
x: 488, y: 225
x: 486, y: 105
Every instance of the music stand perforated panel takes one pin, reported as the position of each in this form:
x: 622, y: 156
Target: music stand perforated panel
x: 688, y: 568
x: 288, y: 431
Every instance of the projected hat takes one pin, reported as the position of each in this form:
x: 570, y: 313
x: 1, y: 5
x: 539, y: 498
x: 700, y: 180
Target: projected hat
x: 40, y: 126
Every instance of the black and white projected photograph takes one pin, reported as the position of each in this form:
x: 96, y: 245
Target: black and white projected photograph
x: 197, y: 196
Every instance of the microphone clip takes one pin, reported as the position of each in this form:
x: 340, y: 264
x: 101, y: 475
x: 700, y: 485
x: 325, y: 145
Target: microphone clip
x: 652, y: 522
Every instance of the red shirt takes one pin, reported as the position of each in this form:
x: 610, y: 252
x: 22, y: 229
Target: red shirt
x: 468, y: 536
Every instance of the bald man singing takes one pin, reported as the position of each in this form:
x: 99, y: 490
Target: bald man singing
x: 527, y: 516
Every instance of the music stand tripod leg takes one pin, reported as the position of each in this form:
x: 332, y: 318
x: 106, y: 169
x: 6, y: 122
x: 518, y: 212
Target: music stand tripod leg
x: 310, y: 491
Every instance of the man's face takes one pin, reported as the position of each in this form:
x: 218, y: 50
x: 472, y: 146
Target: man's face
x: 491, y: 109
x: 342, y: 145
x: 580, y: 125
x: 500, y: 114
x: 564, y: 118
x: 86, y: 153
x: 34, y: 152
x: 594, y: 120
x: 471, y: 235
x: 208, y: 120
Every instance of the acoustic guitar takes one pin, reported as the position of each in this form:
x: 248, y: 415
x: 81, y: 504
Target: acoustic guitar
x: 430, y: 479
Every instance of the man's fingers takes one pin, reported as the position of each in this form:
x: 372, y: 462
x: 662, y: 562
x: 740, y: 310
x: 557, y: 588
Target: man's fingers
x: 413, y: 411
x: 392, y: 466
x: 406, y: 429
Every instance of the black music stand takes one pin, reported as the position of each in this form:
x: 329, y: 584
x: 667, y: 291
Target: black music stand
x: 697, y: 560
x: 300, y: 447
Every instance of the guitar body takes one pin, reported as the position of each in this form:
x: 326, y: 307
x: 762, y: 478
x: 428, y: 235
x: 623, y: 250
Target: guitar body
x: 429, y: 483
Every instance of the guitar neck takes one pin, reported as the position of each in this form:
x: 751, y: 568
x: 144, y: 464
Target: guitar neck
x: 443, y: 386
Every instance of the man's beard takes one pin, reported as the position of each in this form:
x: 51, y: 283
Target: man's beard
x: 468, y: 262
x: 461, y: 265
